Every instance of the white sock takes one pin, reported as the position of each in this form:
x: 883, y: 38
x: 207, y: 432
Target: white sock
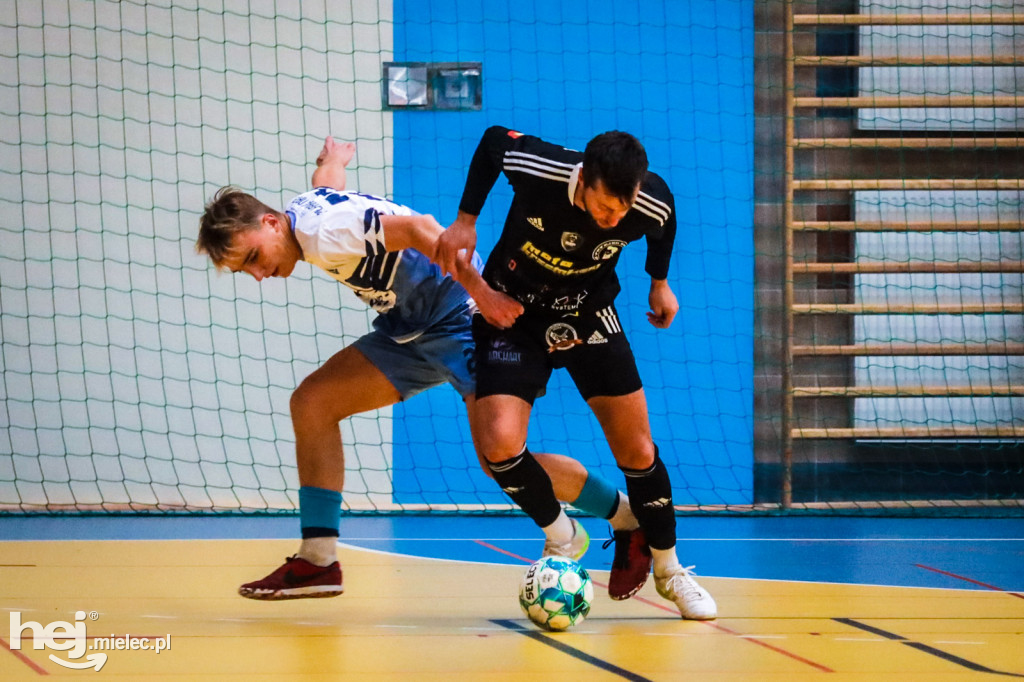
x: 664, y: 560
x: 623, y: 518
x: 321, y: 551
x: 561, y: 531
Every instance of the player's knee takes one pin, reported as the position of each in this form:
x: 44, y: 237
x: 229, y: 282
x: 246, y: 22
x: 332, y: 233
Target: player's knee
x: 301, y: 403
x: 497, y: 440
x: 635, y: 454
x: 491, y: 448
x: 499, y: 445
x: 314, y: 402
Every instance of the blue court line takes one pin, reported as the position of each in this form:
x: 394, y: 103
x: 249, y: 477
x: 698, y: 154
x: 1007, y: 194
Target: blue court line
x: 572, y: 651
x: 945, y: 655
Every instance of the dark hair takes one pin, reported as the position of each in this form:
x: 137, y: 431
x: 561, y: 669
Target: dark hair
x: 230, y: 212
x: 618, y: 160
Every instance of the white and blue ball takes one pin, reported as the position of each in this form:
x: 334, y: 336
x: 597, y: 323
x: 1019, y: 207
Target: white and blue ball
x: 556, y: 593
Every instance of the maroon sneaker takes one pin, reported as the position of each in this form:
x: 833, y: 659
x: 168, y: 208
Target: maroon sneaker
x: 296, y: 579
x: 631, y: 565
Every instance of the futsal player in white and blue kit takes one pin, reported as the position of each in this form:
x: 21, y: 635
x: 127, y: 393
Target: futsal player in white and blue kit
x: 421, y: 338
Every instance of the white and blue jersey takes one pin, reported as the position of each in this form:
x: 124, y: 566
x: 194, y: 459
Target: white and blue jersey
x: 341, y: 233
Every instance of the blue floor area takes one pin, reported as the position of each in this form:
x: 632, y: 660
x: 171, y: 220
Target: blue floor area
x: 982, y: 554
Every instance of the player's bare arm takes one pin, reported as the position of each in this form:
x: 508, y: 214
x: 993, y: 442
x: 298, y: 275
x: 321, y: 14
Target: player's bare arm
x: 663, y: 302
x: 331, y: 163
x: 422, y: 232
x: 457, y: 242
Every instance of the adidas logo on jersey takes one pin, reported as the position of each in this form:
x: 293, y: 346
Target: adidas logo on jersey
x: 596, y: 337
x: 536, y: 222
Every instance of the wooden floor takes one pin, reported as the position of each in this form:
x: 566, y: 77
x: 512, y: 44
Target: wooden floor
x: 407, y: 618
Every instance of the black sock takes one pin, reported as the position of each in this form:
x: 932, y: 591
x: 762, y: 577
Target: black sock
x: 314, y: 532
x: 650, y: 497
x: 524, y: 480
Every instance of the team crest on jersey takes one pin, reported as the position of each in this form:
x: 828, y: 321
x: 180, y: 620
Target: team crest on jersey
x: 571, y: 240
x: 608, y: 249
x: 561, y: 336
x: 536, y: 222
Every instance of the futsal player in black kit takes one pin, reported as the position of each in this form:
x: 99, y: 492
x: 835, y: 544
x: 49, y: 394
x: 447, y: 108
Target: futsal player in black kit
x: 571, y: 215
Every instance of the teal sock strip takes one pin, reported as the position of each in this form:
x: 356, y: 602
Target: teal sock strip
x: 598, y: 498
x: 319, y: 508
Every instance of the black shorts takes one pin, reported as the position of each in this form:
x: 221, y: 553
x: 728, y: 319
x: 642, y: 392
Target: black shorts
x: 518, y: 361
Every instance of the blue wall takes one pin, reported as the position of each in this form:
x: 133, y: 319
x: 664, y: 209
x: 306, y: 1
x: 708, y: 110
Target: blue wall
x: 679, y: 75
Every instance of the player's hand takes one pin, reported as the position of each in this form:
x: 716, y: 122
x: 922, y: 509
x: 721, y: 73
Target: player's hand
x: 458, y: 241
x: 499, y: 309
x: 334, y: 152
x: 664, y: 305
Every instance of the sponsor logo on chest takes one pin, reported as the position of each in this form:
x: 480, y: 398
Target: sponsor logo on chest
x: 556, y: 264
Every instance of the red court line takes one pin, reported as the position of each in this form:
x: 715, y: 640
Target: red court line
x: 503, y: 551
x: 971, y: 580
x: 658, y: 605
x: 22, y: 657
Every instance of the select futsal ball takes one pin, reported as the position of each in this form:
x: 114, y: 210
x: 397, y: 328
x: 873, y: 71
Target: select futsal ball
x: 556, y: 593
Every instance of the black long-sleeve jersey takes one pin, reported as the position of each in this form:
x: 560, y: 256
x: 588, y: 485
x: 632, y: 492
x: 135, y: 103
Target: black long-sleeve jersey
x: 551, y: 255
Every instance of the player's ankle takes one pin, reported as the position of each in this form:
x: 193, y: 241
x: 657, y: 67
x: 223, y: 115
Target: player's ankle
x: 560, y: 532
x: 665, y: 561
x: 321, y: 551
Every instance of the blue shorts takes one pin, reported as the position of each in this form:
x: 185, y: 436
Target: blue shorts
x: 442, y: 353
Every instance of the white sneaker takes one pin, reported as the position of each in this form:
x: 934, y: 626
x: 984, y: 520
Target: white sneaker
x: 693, y: 601
x: 575, y: 548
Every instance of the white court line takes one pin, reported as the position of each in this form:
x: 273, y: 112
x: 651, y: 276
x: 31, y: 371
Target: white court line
x: 762, y: 636
x: 680, y: 539
x: 483, y: 629
x: 370, y: 550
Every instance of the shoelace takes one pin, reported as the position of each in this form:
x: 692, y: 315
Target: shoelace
x: 621, y: 558
x: 690, y: 586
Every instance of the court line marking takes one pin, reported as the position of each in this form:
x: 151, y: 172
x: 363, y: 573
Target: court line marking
x: 371, y: 550
x: 697, y: 539
x: 939, y: 653
x: 970, y: 580
x: 673, y: 611
x: 23, y: 658
x: 571, y: 651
